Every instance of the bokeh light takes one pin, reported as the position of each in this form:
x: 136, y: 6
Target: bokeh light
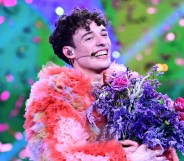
x: 18, y: 135
x: 170, y: 36
x: 139, y: 57
x: 179, y: 61
x: 3, y: 127
x: 5, y: 147
x: 59, y: 11
x: 155, y: 1
x: 115, y: 54
x: 151, y: 10
x: 9, y: 77
x: 162, y: 67
x: 4, y: 95
x: 181, y: 22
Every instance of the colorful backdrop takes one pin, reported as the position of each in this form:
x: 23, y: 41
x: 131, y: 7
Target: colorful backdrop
x: 143, y: 33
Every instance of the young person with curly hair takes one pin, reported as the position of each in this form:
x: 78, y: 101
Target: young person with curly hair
x: 56, y: 124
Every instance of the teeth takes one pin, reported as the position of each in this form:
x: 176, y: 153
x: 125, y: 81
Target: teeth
x: 104, y: 52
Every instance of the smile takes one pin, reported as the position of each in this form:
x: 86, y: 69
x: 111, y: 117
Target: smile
x: 101, y: 53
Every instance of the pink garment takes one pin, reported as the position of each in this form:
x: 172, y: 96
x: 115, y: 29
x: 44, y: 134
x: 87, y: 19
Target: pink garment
x: 56, y: 126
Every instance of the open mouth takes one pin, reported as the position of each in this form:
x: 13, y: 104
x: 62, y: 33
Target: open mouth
x: 101, y: 53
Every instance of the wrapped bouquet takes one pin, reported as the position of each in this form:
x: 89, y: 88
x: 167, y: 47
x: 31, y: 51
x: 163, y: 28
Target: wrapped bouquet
x: 135, y: 110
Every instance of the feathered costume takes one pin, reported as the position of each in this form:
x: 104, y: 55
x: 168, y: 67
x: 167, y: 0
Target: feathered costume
x: 56, y: 125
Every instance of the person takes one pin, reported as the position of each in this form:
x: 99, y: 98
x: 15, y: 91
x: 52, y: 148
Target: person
x: 56, y: 125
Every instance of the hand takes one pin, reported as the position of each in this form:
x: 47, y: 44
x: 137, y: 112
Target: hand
x: 129, y: 146
x: 134, y: 152
x: 142, y: 153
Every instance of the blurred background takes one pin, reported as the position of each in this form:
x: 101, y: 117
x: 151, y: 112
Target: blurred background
x: 143, y: 33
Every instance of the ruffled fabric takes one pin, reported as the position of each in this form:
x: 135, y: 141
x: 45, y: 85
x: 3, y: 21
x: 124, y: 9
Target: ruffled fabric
x: 67, y: 136
x: 56, y: 126
x: 85, y: 157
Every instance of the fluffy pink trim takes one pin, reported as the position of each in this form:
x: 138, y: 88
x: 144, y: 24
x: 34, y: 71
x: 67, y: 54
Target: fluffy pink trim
x: 112, y: 149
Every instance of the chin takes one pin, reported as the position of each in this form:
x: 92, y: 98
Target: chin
x: 104, y: 67
x: 100, y: 67
x: 108, y: 65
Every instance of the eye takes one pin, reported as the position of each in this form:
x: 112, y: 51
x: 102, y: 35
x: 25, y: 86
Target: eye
x: 89, y: 38
x: 105, y: 34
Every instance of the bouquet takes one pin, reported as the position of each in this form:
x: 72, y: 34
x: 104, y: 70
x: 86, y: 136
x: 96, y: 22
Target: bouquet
x: 135, y: 110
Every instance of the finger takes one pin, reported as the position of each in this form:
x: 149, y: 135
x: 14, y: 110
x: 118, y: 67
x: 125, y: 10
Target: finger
x: 158, y: 152
x: 129, y: 143
x: 143, y: 147
x: 130, y: 149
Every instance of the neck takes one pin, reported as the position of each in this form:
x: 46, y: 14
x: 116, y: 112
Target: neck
x: 94, y: 76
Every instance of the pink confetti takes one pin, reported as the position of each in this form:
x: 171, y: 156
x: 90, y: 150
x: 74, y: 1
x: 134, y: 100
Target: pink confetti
x: 5, y: 147
x: 18, y: 135
x: 30, y: 81
x: 28, y: 1
x: 4, y: 95
x: 181, y: 22
x: 179, y: 61
x: 38, y: 24
x: 139, y: 57
x: 151, y: 10
x: 155, y: 1
x: 18, y: 105
x: 9, y: 77
x: 170, y: 36
x: 36, y: 40
x: 8, y: 3
x: 2, y: 19
x: 19, y: 102
x: 4, y: 127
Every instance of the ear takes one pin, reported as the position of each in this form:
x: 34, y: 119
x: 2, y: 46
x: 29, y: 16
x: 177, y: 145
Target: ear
x: 68, y: 52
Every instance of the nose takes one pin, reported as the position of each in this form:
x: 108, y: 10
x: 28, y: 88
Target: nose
x: 100, y: 40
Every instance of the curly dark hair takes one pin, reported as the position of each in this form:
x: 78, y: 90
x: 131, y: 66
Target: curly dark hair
x: 67, y: 25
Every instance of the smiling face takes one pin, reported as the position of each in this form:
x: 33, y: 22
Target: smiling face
x: 95, y: 41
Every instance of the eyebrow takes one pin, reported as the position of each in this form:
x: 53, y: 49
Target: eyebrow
x: 104, y: 30
x: 90, y: 32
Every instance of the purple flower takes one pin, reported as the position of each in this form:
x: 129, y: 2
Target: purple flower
x: 120, y: 81
x: 135, y: 110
